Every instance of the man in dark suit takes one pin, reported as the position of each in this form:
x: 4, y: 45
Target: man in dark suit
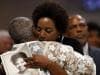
x: 78, y: 29
x: 95, y: 54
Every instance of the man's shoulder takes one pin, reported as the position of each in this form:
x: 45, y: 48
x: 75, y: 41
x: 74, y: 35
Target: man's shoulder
x: 94, y: 49
x: 94, y: 52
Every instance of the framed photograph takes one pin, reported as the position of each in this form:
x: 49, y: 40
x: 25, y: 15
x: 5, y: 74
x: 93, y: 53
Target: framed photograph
x: 14, y: 63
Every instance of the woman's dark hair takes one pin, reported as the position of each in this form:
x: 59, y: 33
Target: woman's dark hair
x: 53, y: 11
x: 18, y: 55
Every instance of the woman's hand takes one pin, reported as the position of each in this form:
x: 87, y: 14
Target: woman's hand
x: 37, y: 61
x: 40, y: 61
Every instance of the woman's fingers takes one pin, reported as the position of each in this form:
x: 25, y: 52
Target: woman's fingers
x: 36, y: 61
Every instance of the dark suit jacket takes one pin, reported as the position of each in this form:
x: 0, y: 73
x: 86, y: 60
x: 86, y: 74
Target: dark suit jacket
x: 95, y: 54
x: 73, y: 43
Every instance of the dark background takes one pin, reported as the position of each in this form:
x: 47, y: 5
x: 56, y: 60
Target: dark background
x: 13, y: 8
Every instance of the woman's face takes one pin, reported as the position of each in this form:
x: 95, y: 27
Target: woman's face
x: 46, y: 30
x: 20, y: 64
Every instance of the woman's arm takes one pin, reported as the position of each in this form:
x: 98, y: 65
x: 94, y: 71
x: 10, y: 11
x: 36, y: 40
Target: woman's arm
x: 55, y: 69
x: 41, y: 61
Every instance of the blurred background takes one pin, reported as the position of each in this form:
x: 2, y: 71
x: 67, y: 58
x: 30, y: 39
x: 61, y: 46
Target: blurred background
x: 90, y: 9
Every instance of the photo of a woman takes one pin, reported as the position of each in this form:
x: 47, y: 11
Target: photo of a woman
x: 19, y: 62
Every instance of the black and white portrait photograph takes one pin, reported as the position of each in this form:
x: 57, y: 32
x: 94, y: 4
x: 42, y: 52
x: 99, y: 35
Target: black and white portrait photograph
x: 14, y: 63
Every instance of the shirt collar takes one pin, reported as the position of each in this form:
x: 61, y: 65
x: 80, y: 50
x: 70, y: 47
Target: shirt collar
x: 86, y: 49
